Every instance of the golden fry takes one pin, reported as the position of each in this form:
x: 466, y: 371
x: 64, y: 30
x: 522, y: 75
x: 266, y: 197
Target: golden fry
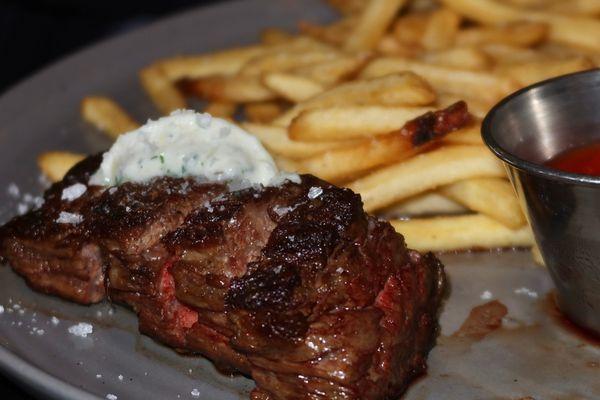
x: 400, y: 89
x: 162, y: 91
x: 518, y: 34
x: 284, y: 60
x: 372, y: 24
x: 107, y: 116
x: 527, y: 73
x: 292, y: 87
x: 474, y: 84
x: 273, y: 36
x: 221, y: 109
x: 470, y: 135
x: 55, y: 164
x: 334, y: 33
x: 226, y: 62
x: 351, y: 122
x: 441, y: 29
x: 425, y: 172
x: 331, y: 72
x: 462, y: 232
x: 572, y: 30
x: 424, y: 204
x: 262, y: 112
x: 468, y: 58
x: 235, y: 89
x: 493, y: 197
x: 409, y: 29
x: 276, y: 140
x: 537, y: 256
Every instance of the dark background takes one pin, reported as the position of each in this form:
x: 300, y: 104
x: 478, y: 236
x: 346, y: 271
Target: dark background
x: 33, y: 33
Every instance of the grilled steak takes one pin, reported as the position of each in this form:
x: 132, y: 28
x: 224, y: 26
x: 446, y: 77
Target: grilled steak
x: 295, y: 286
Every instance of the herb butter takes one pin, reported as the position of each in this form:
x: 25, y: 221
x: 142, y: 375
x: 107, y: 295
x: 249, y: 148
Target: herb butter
x: 189, y: 144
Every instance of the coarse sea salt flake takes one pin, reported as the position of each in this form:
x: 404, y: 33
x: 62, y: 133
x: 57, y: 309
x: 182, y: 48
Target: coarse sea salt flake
x: 82, y: 329
x: 13, y: 190
x: 69, y: 218
x: 73, y: 192
x: 111, y: 396
x: 22, y: 208
x: 195, y: 393
x: 314, y: 192
x: 54, y: 320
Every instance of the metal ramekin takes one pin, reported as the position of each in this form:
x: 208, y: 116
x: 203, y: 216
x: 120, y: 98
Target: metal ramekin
x: 525, y: 130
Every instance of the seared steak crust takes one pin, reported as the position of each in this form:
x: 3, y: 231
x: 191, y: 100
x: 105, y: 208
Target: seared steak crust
x: 294, y: 285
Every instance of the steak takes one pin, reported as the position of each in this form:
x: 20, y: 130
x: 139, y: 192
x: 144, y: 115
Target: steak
x: 294, y: 286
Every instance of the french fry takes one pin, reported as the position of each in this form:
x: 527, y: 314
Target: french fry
x: 55, y: 164
x: 462, y: 232
x: 161, y: 90
x: 350, y: 122
x: 221, y: 109
x: 390, y: 46
x: 537, y: 256
x: 273, y: 36
x: 235, y: 89
x: 469, y: 58
x: 475, y: 84
x: 477, y: 107
x: 335, y: 33
x: 348, y: 7
x: 354, y: 160
x: 401, y: 89
x: 470, y: 135
x: 276, y: 140
x: 507, y: 54
x: 373, y: 22
x: 345, y: 163
x: 226, y: 62
x: 534, y: 71
x: 493, y: 197
x: 286, y: 59
x: 576, y: 7
x: 425, y: 204
x: 572, y: 30
x: 294, y: 88
x: 285, y: 164
x: 518, y: 34
x: 107, y: 116
x: 409, y: 29
x: 262, y: 112
x: 441, y: 29
x: 329, y: 73
x: 425, y: 172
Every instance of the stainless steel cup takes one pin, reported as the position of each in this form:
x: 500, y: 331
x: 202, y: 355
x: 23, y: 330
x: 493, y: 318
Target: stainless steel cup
x: 527, y: 129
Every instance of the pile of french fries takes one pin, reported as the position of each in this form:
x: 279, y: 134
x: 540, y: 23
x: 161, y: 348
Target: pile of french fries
x: 332, y: 99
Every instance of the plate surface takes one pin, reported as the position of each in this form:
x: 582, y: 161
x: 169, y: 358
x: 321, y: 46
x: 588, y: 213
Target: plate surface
x: 532, y: 355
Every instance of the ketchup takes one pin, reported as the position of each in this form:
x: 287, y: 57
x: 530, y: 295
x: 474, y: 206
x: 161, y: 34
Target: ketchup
x: 579, y: 160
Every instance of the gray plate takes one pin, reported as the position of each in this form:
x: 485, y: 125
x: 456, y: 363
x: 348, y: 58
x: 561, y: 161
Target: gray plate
x: 533, y: 355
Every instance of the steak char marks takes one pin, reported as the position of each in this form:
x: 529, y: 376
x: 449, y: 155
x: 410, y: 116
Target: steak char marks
x: 295, y: 286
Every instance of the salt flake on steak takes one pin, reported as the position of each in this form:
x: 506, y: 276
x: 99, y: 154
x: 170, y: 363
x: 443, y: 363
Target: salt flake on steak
x: 73, y: 192
x: 69, y: 218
